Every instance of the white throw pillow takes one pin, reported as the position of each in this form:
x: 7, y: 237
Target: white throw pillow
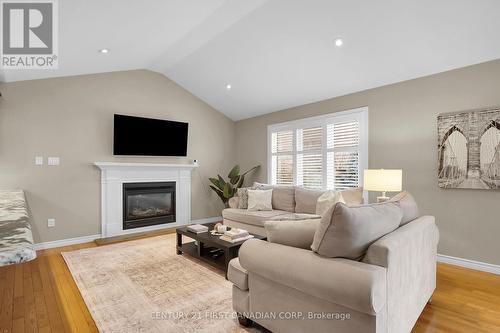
x: 260, y: 199
x: 327, y: 200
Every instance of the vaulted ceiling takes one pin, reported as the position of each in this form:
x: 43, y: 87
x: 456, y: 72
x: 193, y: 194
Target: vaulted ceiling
x: 275, y: 54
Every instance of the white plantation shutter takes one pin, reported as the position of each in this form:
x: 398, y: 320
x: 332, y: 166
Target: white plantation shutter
x: 325, y: 152
x: 282, y: 159
x: 310, y: 157
x: 283, y: 142
x: 342, y: 150
x: 283, y: 169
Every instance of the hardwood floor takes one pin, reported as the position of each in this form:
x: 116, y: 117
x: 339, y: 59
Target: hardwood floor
x: 41, y: 296
x: 465, y: 300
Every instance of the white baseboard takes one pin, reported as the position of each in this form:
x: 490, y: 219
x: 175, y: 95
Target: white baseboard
x: 86, y: 239
x: 65, y: 242
x: 472, y: 264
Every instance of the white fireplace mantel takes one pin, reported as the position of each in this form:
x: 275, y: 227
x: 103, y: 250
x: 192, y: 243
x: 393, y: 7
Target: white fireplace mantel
x: 119, y: 165
x: 115, y: 174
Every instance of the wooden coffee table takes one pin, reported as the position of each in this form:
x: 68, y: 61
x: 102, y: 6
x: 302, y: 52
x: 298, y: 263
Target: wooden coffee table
x: 205, y: 246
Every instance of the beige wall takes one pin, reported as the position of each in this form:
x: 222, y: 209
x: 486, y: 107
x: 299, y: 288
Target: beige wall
x: 403, y: 134
x: 72, y: 118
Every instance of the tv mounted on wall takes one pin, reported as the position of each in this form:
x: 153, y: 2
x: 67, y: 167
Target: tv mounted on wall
x: 149, y: 137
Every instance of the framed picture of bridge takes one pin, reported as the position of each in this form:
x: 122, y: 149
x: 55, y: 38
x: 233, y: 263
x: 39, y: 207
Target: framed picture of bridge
x: 469, y: 149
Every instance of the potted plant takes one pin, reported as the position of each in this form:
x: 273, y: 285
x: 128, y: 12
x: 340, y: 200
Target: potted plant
x: 227, y: 189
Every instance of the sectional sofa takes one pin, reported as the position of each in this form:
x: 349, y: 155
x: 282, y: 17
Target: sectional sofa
x: 289, y: 202
x: 294, y: 282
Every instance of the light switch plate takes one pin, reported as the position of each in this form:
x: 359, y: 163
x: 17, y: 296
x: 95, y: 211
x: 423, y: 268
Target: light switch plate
x: 53, y: 161
x: 51, y: 223
x: 38, y: 160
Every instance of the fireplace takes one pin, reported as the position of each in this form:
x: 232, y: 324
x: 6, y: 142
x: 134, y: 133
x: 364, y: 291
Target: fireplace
x: 147, y: 204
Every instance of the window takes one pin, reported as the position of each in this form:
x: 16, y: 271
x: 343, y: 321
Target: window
x: 324, y: 152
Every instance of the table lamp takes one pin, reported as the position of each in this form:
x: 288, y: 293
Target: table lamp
x: 383, y: 180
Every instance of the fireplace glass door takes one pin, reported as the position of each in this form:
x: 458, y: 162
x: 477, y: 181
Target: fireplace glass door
x: 146, y: 204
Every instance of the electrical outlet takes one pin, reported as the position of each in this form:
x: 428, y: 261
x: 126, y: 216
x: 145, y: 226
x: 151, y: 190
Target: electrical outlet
x: 53, y: 160
x: 51, y: 223
x: 38, y: 160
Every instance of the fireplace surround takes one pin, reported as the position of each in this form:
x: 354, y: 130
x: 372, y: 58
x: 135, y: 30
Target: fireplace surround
x: 116, y: 175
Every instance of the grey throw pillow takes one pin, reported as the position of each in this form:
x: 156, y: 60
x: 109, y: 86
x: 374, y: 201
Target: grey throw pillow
x: 353, y: 196
x: 242, y: 194
x: 408, y: 206
x: 347, y: 232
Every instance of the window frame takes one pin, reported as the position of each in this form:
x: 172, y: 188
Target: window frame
x: 359, y: 114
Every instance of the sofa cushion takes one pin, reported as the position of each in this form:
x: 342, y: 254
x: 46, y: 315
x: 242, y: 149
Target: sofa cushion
x: 295, y: 217
x: 283, y: 196
x: 260, y: 199
x: 306, y: 199
x: 348, y: 283
x: 237, y: 274
x: 292, y: 233
x: 408, y: 206
x: 251, y: 217
x: 347, y: 232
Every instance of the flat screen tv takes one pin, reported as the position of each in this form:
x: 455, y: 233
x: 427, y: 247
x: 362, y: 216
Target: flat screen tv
x: 149, y: 137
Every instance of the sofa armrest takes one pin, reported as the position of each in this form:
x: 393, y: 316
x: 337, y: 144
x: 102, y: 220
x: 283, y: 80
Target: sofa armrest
x: 237, y: 274
x: 409, y: 253
x: 356, y: 285
x: 413, y: 239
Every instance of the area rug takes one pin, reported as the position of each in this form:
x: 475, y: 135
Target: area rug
x: 144, y: 286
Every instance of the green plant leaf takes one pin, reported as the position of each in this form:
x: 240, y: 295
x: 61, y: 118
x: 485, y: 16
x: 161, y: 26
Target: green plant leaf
x: 217, y: 190
x: 216, y: 182
x: 235, y: 171
x: 234, y: 180
x: 221, y: 181
x: 219, y: 193
x: 249, y: 170
x: 240, y: 181
x: 228, y: 190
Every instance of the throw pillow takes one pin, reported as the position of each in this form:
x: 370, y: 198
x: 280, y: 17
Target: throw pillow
x: 260, y: 199
x: 292, y: 233
x: 233, y: 202
x: 283, y: 195
x: 408, y: 206
x: 353, y: 196
x: 347, y: 232
x: 242, y: 194
x: 327, y: 200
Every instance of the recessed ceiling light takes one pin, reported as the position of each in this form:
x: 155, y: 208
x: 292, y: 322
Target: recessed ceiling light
x: 228, y: 87
x: 104, y: 51
x: 339, y: 42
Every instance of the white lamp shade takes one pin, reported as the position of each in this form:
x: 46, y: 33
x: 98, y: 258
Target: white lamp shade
x: 383, y: 180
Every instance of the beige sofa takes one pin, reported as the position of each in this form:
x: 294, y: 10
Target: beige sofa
x: 292, y: 289
x: 288, y: 202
